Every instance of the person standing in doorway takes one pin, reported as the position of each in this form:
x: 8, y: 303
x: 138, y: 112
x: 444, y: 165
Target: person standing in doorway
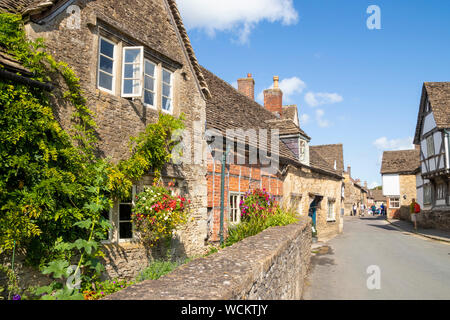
x: 414, y: 210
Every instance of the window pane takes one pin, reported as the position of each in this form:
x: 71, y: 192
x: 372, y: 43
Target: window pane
x: 124, y: 212
x: 166, y: 104
x: 105, y: 80
x: 149, y: 98
x: 167, y: 77
x: 149, y: 68
x: 149, y: 84
x: 106, y: 64
x: 131, y: 71
x: 132, y: 55
x: 107, y: 48
x: 131, y: 86
x: 166, y: 90
x: 125, y: 230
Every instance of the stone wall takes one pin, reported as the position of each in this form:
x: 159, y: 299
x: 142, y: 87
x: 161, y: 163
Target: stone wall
x: 408, y: 189
x: 270, y: 265
x: 436, y: 219
x: 300, y: 187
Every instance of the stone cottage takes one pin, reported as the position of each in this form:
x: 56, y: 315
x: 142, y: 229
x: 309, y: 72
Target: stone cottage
x: 355, y: 193
x: 303, y: 180
x: 432, y: 135
x: 398, y: 170
x: 134, y: 60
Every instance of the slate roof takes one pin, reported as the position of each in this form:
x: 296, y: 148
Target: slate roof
x: 331, y: 153
x: 378, y: 195
x: 438, y: 94
x: 230, y: 109
x: 32, y: 7
x: 400, y: 162
x: 287, y: 127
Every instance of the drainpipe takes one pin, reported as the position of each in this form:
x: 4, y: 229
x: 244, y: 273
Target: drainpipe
x: 222, y: 196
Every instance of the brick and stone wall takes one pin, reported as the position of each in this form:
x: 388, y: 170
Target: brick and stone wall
x: 408, y: 189
x: 238, y: 180
x: 269, y: 266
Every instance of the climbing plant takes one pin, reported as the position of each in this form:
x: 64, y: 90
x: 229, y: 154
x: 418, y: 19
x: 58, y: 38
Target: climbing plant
x: 53, y: 189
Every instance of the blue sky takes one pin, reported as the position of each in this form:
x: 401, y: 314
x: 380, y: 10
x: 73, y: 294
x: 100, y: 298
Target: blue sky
x: 352, y: 85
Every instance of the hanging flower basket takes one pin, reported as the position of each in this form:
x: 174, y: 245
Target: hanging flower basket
x: 157, y: 214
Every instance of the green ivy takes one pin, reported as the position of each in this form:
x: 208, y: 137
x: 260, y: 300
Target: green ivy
x: 53, y: 189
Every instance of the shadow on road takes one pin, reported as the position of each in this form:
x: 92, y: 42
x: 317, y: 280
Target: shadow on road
x: 385, y: 227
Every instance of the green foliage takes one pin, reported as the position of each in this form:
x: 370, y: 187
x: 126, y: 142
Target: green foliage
x: 258, y: 222
x: 157, y: 269
x: 150, y: 151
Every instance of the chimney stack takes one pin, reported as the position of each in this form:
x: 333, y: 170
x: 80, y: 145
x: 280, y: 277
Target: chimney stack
x: 349, y: 171
x: 246, y: 86
x: 417, y: 147
x: 273, y: 98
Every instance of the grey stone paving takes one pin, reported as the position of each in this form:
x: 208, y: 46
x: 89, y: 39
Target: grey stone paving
x: 412, y: 267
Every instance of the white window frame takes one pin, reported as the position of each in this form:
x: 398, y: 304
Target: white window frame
x: 232, y: 210
x: 302, y: 150
x: 118, y: 221
x: 172, y: 74
x: 393, y: 201
x: 141, y: 73
x: 112, y: 91
x: 441, y: 191
x: 331, y: 205
x: 155, y: 81
x: 430, y: 146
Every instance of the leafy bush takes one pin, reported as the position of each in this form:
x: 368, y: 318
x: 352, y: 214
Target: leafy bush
x: 157, y: 269
x: 259, y: 212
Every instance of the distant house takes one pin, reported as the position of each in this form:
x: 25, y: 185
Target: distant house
x: 304, y: 181
x: 378, y: 198
x: 432, y: 134
x: 354, y: 192
x: 398, y: 170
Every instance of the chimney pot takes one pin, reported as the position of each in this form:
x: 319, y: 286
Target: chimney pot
x: 276, y: 80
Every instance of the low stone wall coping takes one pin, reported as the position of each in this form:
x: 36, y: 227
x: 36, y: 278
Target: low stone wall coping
x: 224, y: 275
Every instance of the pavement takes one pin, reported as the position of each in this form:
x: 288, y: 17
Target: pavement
x: 434, y: 234
x: 376, y: 260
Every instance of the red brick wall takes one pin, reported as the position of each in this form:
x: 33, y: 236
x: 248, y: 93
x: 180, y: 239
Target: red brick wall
x: 239, y: 179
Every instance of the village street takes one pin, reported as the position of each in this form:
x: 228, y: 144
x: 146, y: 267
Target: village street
x: 411, y: 267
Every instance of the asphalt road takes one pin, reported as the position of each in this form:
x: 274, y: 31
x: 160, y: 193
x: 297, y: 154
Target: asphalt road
x: 409, y: 267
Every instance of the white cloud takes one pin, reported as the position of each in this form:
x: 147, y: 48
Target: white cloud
x: 323, y: 123
x: 237, y: 16
x: 315, y: 99
x: 385, y: 144
x: 374, y: 185
x: 289, y: 86
x: 304, y: 119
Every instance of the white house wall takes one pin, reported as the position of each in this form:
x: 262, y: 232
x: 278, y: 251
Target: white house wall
x: 429, y: 124
x: 419, y: 184
x: 391, y: 185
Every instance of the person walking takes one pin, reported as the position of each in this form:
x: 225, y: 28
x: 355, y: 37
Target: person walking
x: 414, y: 210
x: 374, y: 210
x: 354, y: 209
x: 382, y: 209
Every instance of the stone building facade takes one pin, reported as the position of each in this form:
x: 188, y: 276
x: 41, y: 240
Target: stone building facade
x: 134, y: 60
x: 355, y: 194
x: 398, y: 171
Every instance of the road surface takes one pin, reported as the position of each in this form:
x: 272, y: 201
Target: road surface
x: 406, y: 266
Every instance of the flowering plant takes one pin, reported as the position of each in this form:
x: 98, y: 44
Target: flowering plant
x: 257, y: 203
x: 157, y: 213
